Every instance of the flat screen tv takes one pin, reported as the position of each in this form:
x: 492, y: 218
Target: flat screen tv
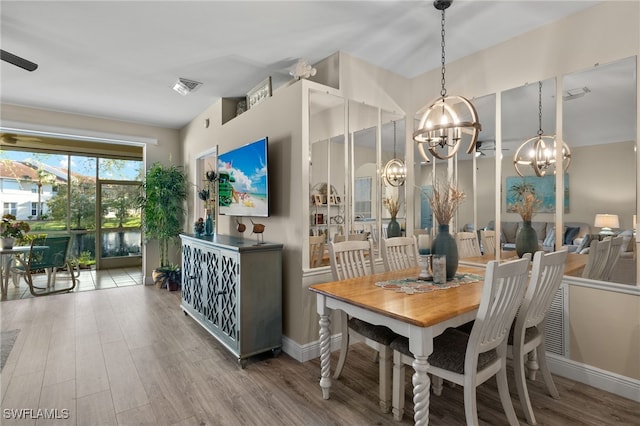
x: 243, y: 187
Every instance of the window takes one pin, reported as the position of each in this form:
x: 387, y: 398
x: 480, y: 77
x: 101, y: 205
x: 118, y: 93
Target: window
x: 34, y: 209
x: 363, y: 198
x: 10, y: 208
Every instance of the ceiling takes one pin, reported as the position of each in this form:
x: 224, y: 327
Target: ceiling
x: 119, y: 59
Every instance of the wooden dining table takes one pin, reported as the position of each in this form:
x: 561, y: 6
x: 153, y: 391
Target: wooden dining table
x: 420, y: 317
x: 574, y: 264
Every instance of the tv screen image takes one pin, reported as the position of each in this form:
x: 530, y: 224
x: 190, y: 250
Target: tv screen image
x: 243, y: 186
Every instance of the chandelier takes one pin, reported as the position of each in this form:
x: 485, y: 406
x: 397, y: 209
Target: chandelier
x: 394, y: 172
x: 440, y: 128
x: 539, y: 152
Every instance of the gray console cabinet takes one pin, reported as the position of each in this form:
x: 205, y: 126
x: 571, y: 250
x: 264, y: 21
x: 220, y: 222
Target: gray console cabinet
x: 233, y: 288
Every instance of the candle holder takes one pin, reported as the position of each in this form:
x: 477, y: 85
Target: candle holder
x: 424, y: 260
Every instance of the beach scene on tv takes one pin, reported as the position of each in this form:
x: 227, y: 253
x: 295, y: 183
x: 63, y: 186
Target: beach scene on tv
x: 242, y: 181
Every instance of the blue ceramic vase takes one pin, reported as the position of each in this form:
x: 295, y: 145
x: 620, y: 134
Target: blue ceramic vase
x: 444, y: 243
x: 527, y: 239
x: 208, y: 225
x: 393, y: 229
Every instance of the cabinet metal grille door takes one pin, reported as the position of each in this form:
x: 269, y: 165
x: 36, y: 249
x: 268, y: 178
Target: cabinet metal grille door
x: 208, y: 264
x: 197, y: 288
x: 228, y: 297
x: 191, y: 276
x: 556, y: 335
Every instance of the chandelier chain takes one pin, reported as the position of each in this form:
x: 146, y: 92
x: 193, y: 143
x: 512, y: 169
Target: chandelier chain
x: 443, y: 91
x: 540, y: 108
x: 394, y: 139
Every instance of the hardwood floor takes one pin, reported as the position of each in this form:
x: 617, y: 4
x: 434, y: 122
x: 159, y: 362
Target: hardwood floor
x: 129, y: 355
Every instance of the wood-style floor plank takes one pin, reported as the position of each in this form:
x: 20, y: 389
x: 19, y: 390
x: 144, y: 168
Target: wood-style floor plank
x: 135, y: 358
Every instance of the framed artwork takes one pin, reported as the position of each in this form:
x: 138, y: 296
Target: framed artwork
x: 259, y: 93
x: 317, y: 199
x: 544, y: 189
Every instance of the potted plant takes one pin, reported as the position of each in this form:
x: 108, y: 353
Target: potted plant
x: 162, y: 200
x: 12, y: 230
x: 169, y: 276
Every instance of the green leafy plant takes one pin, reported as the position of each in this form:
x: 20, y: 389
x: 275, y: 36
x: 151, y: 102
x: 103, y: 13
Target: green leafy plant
x: 168, y: 274
x: 162, y: 200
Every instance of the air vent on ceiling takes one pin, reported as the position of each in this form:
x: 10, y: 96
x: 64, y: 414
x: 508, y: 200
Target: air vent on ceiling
x: 185, y: 86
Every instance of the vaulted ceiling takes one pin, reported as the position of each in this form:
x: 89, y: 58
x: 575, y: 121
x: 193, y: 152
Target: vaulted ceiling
x: 120, y: 59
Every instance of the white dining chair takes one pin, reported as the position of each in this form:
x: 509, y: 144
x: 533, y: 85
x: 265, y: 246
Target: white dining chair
x: 612, y: 257
x: 488, y: 239
x: 351, y: 259
x: 468, y: 245
x: 399, y: 253
x: 598, y: 254
x: 471, y: 359
x: 528, y: 332
x: 316, y: 250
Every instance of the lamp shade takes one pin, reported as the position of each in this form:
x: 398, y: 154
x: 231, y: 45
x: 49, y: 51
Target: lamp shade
x: 607, y: 221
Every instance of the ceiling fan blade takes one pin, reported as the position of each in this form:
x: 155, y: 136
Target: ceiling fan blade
x: 17, y: 61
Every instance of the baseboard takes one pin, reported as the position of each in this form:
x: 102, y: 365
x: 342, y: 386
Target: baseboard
x: 614, y: 383
x: 607, y: 381
x: 304, y: 353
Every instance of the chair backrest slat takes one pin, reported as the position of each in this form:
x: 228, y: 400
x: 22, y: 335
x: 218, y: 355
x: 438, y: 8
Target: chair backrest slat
x: 316, y: 250
x: 598, y: 253
x: 351, y: 259
x: 399, y: 253
x: 546, y: 278
x: 612, y: 257
x: 502, y: 293
x: 468, y: 245
x: 488, y: 238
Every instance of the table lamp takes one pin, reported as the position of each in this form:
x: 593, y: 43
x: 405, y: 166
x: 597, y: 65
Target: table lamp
x: 606, y: 222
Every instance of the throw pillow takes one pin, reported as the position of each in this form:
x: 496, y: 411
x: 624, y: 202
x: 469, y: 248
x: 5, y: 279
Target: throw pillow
x: 632, y: 245
x: 550, y: 239
x: 585, y: 243
x: 571, y: 234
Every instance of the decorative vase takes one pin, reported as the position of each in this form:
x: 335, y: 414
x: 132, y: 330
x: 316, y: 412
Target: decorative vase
x: 393, y: 229
x: 444, y: 243
x: 7, y: 242
x: 527, y: 239
x: 208, y: 225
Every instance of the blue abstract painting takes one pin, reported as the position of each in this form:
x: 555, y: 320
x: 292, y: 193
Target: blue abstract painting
x: 542, y: 187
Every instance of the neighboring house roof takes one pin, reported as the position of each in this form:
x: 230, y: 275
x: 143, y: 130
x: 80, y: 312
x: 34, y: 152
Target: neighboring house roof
x: 23, y: 170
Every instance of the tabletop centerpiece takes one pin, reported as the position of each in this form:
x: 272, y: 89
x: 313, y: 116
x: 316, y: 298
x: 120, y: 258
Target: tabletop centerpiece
x: 444, y: 201
x: 393, y: 206
x: 527, y: 238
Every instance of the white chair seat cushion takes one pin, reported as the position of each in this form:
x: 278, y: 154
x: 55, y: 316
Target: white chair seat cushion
x: 449, y: 350
x: 377, y: 333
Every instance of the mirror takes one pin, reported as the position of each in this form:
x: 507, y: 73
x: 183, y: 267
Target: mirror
x: 476, y: 171
x: 527, y: 112
x: 345, y: 185
x: 327, y: 177
x: 475, y: 174
x: 599, y: 124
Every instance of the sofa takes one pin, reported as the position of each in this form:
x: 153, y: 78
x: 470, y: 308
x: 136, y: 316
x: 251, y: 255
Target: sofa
x: 573, y: 234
